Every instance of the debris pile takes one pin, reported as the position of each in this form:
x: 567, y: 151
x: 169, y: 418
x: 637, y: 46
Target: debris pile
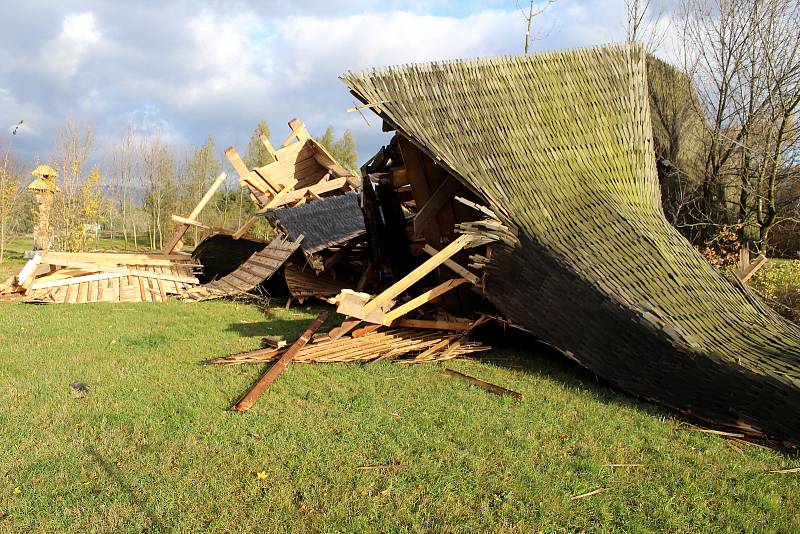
x: 492, y: 200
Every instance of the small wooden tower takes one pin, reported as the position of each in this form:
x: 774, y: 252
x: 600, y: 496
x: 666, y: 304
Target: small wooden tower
x: 45, y: 188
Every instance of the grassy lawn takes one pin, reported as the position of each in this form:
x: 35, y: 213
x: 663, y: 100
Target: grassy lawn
x: 153, y: 447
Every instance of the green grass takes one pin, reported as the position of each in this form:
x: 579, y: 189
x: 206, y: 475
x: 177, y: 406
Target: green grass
x: 153, y: 447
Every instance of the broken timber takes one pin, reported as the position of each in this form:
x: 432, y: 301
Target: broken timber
x: 258, y: 389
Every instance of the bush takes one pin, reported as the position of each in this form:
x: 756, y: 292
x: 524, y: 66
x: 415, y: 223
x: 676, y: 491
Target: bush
x: 779, y: 282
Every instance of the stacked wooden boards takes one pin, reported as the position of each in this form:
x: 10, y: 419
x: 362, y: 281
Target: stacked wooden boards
x: 75, y: 278
x: 407, y: 345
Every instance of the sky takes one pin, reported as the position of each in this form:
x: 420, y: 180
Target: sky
x: 186, y: 69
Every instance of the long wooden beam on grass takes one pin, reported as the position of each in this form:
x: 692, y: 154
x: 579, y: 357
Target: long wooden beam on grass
x: 258, y: 389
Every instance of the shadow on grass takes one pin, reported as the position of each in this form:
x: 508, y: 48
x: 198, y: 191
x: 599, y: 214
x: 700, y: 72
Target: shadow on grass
x: 114, y: 474
x: 523, y: 352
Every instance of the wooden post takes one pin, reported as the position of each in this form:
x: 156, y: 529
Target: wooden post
x: 488, y: 386
x: 258, y: 389
x: 181, y: 230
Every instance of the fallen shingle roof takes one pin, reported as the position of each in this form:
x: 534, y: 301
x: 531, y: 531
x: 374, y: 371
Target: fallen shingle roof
x: 560, y: 144
x: 324, y: 223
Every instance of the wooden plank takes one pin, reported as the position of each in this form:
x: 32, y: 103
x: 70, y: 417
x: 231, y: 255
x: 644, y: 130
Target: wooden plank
x: 478, y: 207
x: 276, y: 200
x: 415, y: 171
x: 417, y: 274
x: 443, y: 194
x: 752, y: 269
x: 258, y: 389
x: 236, y: 162
x: 422, y: 299
x: 265, y: 176
x: 181, y: 230
x: 94, y: 267
x: 346, y: 326
x: 434, y: 325
x: 268, y: 145
x: 190, y: 222
x: 117, y: 258
x: 318, y: 189
x: 75, y: 280
x: 488, y: 386
x: 455, y: 267
x: 25, y: 276
x: 298, y: 132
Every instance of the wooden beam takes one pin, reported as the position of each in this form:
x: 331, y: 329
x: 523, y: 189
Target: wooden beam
x: 299, y: 132
x: 417, y: 274
x: 462, y: 326
x: 443, y: 194
x: 115, y: 258
x: 127, y: 271
x: 190, y: 222
x: 258, y: 389
x: 752, y: 269
x: 478, y: 207
x: 237, y: 163
x: 415, y: 171
x: 276, y: 201
x: 424, y: 298
x: 268, y: 146
x: 76, y: 280
x: 26, y: 274
x: 488, y: 386
x: 181, y: 230
x: 346, y: 326
x: 463, y: 272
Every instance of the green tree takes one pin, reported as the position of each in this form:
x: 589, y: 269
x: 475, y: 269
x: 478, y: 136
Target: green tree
x: 201, y: 170
x: 342, y: 149
x: 257, y: 154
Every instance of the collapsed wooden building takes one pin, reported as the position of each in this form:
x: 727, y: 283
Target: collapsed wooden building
x: 555, y: 154
x: 519, y: 189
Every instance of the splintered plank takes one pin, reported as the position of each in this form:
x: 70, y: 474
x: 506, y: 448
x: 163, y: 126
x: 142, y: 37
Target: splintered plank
x: 252, y: 395
x: 424, y: 298
x: 488, y: 386
x: 417, y: 274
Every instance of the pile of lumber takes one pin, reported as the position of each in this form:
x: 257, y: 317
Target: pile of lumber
x: 406, y: 345
x: 74, y: 278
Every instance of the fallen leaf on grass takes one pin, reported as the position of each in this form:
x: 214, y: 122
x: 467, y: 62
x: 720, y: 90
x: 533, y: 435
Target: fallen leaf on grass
x: 261, y: 475
x: 17, y: 490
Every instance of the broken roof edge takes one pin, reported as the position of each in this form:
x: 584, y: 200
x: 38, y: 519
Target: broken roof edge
x: 486, y: 60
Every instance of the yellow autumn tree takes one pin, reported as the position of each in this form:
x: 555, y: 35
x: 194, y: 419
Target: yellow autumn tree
x: 9, y: 188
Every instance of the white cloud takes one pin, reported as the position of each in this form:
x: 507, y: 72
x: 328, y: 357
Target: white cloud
x: 78, y: 37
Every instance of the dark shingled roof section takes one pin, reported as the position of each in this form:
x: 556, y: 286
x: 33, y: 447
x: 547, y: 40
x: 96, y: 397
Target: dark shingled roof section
x: 560, y: 144
x: 324, y: 223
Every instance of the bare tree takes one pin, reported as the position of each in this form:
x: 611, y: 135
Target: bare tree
x: 9, y: 193
x: 743, y: 58
x: 125, y: 165
x: 533, y: 12
x: 74, y: 143
x: 643, y: 25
